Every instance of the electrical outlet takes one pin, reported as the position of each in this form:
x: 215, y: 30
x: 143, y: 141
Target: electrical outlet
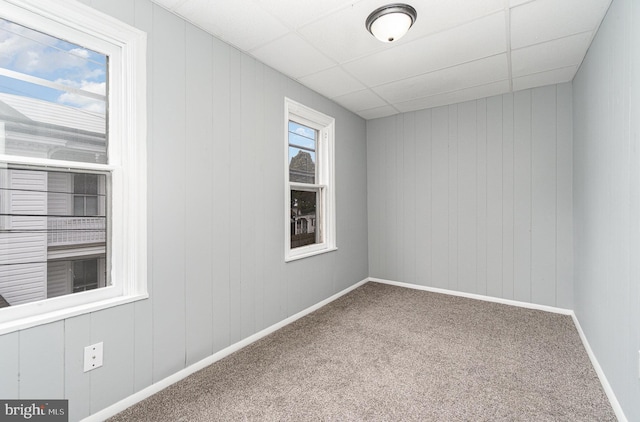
x: 92, y: 357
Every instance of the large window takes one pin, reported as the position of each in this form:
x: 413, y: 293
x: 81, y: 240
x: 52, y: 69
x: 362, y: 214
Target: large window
x: 72, y: 162
x: 310, y: 192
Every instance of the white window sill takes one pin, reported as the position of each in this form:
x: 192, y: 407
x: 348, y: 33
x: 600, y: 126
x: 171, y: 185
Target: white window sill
x: 309, y: 254
x: 35, y: 320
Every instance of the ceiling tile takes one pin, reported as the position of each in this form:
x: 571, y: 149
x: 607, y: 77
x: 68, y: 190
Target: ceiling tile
x: 360, y: 100
x: 374, y: 113
x: 473, y: 93
x: 456, y: 50
x: 342, y: 34
x: 545, y: 20
x: 292, y: 56
x: 238, y: 22
x: 514, y: 3
x: 479, y: 72
x: 481, y: 38
x: 550, y: 55
x: 169, y: 4
x: 352, y: 39
x: 332, y: 82
x: 439, y: 15
x: 545, y: 78
x: 296, y: 13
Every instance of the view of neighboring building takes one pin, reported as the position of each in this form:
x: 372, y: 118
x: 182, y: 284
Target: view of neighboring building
x: 302, y: 169
x: 52, y: 222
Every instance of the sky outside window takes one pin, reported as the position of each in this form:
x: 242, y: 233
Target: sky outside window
x: 73, y: 75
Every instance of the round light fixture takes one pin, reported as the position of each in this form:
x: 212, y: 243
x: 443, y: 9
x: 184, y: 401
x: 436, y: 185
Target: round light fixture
x: 389, y: 23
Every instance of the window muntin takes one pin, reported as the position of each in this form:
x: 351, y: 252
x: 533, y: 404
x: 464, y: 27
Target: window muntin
x: 121, y: 256
x: 310, y: 204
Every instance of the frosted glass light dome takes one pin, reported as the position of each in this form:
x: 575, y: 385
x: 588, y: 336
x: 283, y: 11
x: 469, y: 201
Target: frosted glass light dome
x: 391, y: 22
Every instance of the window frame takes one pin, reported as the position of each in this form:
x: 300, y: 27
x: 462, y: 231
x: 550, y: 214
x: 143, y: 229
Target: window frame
x: 325, y: 180
x: 127, y: 163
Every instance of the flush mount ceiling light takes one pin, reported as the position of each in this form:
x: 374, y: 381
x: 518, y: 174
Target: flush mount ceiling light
x: 389, y: 23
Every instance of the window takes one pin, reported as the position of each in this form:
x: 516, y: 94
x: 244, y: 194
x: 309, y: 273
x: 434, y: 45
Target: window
x: 309, y: 182
x: 72, y: 162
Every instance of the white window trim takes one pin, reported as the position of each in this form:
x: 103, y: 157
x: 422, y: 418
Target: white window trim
x: 325, y: 158
x: 126, y: 46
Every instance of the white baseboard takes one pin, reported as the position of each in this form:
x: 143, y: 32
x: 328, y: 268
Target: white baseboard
x: 603, y: 378
x: 118, y: 407
x: 172, y: 379
x: 511, y: 302
x: 596, y: 365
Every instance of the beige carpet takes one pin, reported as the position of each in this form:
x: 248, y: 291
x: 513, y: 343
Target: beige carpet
x: 393, y: 354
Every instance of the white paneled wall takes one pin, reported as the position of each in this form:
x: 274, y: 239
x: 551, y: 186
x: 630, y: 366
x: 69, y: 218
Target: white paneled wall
x: 607, y: 200
x: 216, y: 236
x: 476, y: 197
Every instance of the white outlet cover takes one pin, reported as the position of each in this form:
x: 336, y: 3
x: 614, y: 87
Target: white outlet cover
x: 92, y: 357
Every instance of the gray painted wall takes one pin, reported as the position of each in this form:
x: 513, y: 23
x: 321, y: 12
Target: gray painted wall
x: 476, y: 197
x: 216, y: 235
x: 607, y: 200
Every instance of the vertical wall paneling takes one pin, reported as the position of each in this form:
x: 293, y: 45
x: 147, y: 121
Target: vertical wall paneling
x: 375, y: 193
x: 143, y: 345
x: 440, y: 197
x: 221, y: 241
x: 495, y: 207
x: 124, y: 11
x: 143, y: 320
x: 467, y: 197
x: 168, y: 193
x: 494, y: 200
x: 409, y: 200
x: 391, y: 178
x: 351, y: 171
x: 543, y: 195
x: 507, y: 197
x: 42, y: 374
x: 246, y: 176
x: 114, y: 380
x: 216, y: 272
x: 522, y: 195
x: 235, y: 195
x: 564, y: 196
x: 481, y: 183
x: 453, y: 211
x: 276, y: 285
x: 423, y: 186
x: 399, y: 200
x: 606, y: 200
x: 260, y: 196
x: 77, y: 383
x: 199, y: 201
x: 10, y: 365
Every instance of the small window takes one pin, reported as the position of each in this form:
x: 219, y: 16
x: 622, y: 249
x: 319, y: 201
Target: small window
x: 72, y: 162
x: 310, y: 204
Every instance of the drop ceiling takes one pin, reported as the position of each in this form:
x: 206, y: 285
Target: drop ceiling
x: 457, y: 50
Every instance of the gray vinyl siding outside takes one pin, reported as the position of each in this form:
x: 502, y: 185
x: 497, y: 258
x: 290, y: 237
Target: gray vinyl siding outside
x: 26, y: 242
x: 607, y: 200
x: 216, y: 236
x: 476, y: 197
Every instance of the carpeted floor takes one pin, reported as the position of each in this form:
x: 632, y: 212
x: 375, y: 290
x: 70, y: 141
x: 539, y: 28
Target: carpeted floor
x: 389, y: 353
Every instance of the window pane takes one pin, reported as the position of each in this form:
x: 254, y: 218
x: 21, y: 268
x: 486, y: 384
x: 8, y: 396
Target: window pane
x: 44, y: 228
x: 304, y: 218
x: 302, y: 166
x: 53, y: 97
x: 301, y: 135
x: 302, y: 153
